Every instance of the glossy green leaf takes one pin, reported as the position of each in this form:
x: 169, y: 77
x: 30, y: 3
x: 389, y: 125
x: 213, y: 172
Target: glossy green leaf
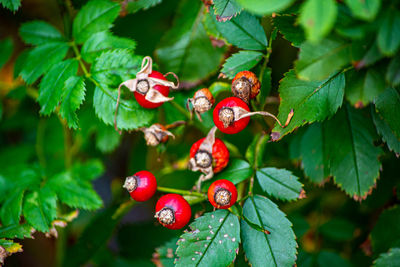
x: 6, y: 49
x: 355, y: 166
x: 289, y: 28
x: 88, y: 170
x: 34, y: 65
x: 371, y: 56
x: 391, y: 258
x: 213, y: 240
x: 244, y: 31
x: 12, y: 5
x: 244, y: 60
x: 387, y: 105
x: 107, y: 139
x: 365, y: 9
x: 39, y: 32
x: 362, y: 87
x: 12, y: 207
x: 72, y: 97
x: 95, y: 16
x: 226, y: 9
x: 236, y: 172
x: 314, y: 154
x: 275, y: 249
x: 255, y: 151
x: 218, y: 87
x: 338, y: 229
x: 317, y: 18
x: 186, y: 49
x: 16, y: 231
x: 265, y: 7
x: 104, y: 41
x: 389, y: 32
x: 75, y: 192
x: 135, y: 6
x: 280, y: 183
x: 382, y: 239
x: 52, y: 84
x: 393, y: 71
x: 310, y: 100
x: 388, y: 136
x: 319, y: 61
x: 40, y: 209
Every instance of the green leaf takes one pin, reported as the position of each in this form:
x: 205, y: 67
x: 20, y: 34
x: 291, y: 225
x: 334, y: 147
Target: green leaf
x: 12, y: 207
x: 12, y: 5
x: 266, y: 85
x: 314, y: 153
x: 213, y: 240
x: 355, y: 166
x: 386, y: 133
x: 236, y: 172
x: 95, y: 16
x: 317, y: 18
x: 387, y: 105
x: 310, y: 100
x: 393, y: 71
x: 16, y: 231
x: 74, y: 192
x: 186, y: 49
x: 218, y: 87
x: 280, y: 183
x: 255, y: 151
x: 136, y: 5
x: 363, y: 87
x: 391, y: 258
x: 40, y: 209
x: 265, y: 7
x: 87, y: 171
x: 10, y: 246
x: 6, y: 49
x: 331, y: 259
x: 107, y: 139
x: 39, y: 32
x: 289, y: 28
x: 389, y: 32
x: 382, y: 238
x: 319, y: 61
x: 366, y: 9
x: 244, y: 60
x: 103, y: 41
x: 52, y: 84
x: 41, y: 59
x: 72, y: 97
x: 226, y: 9
x: 244, y: 31
x: 275, y: 249
x: 166, y: 253
x: 338, y: 229
x: 373, y: 55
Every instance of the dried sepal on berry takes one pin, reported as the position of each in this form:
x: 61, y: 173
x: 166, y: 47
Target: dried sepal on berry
x: 231, y: 115
x: 202, y: 101
x: 246, y: 85
x: 158, y: 133
x: 150, y: 87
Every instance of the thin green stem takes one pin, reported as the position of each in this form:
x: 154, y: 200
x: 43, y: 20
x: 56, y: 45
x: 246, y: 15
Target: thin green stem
x: 180, y: 192
x: 81, y: 63
x: 251, y: 185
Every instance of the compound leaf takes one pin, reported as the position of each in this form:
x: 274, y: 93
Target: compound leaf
x: 244, y: 60
x: 39, y: 32
x: 72, y: 97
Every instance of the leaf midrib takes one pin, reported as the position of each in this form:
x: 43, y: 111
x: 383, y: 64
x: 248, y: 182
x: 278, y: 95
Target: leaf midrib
x: 279, y: 182
x: 247, y: 33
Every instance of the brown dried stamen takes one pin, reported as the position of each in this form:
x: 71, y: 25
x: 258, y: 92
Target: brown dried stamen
x: 227, y: 116
x: 201, y: 104
x: 165, y: 216
x: 203, y: 159
x: 242, y: 88
x: 142, y: 86
x: 222, y: 197
x: 131, y: 183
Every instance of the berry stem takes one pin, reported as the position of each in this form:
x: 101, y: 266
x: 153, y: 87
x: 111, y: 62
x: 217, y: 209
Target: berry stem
x: 180, y: 192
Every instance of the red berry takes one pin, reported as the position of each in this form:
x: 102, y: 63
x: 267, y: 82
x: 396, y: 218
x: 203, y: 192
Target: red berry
x: 222, y: 194
x: 140, y: 97
x: 141, y: 186
x: 173, y: 211
x: 219, y: 158
x: 246, y: 85
x: 224, y: 115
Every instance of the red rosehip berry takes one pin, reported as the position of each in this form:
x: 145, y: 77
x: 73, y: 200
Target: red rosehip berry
x: 222, y: 194
x: 202, y: 101
x: 226, y: 115
x: 141, y: 186
x: 173, y: 211
x: 143, y: 87
x: 246, y: 85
